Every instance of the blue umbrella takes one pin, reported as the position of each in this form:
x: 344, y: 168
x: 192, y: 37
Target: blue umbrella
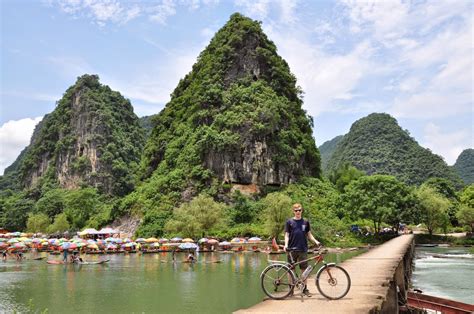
x: 187, y: 246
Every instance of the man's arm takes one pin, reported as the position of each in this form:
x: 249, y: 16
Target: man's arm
x: 312, y: 238
x: 287, y: 239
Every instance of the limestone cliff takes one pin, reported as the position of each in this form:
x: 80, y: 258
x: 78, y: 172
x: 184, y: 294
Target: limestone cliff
x: 91, y: 138
x: 237, y: 116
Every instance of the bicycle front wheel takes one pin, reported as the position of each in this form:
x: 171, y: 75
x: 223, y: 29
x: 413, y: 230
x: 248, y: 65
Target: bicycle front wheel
x: 277, y: 281
x: 333, y: 282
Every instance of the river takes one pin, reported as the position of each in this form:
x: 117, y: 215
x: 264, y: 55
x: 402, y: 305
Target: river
x: 445, y: 272
x: 137, y: 283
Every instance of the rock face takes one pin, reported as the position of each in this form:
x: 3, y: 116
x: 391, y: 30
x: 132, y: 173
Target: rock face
x: 91, y: 138
x: 237, y: 116
x: 376, y: 144
x: 464, y: 165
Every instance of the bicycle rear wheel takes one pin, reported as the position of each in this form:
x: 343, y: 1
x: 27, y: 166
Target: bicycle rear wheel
x: 333, y: 282
x: 277, y: 281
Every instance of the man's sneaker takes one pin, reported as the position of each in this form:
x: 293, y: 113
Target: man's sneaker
x: 307, y: 293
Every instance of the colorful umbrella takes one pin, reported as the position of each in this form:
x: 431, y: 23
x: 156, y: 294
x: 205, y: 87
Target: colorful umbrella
x: 176, y: 239
x: 188, y: 240
x: 163, y: 240
x: 151, y: 240
x: 212, y: 241
x: 203, y: 240
x: 224, y: 243
x: 140, y: 240
x: 188, y: 246
x: 254, y: 239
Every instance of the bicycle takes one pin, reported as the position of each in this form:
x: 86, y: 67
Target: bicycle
x: 279, y: 279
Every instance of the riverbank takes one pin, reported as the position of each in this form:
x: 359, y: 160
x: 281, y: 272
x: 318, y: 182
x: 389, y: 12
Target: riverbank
x: 455, y: 240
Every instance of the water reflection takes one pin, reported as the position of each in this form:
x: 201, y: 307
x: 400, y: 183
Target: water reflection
x: 216, y: 283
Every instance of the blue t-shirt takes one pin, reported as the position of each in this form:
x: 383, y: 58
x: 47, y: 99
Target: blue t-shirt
x: 297, y: 230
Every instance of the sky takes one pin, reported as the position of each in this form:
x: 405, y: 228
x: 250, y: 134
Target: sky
x: 411, y: 59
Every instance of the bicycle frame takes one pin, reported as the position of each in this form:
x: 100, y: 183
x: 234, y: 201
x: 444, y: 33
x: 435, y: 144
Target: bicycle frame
x: 317, y: 258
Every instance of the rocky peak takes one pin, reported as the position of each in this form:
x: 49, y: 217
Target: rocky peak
x: 91, y: 138
x: 237, y: 113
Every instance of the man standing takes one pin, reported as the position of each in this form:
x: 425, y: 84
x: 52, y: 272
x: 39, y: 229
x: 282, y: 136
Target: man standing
x: 297, y: 230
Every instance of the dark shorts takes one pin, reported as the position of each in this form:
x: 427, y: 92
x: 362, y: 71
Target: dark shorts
x: 298, y: 256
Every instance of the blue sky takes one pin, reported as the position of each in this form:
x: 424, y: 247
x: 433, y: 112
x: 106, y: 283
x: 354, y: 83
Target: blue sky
x: 412, y: 59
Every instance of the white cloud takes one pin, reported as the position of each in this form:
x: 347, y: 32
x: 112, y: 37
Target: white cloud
x: 14, y: 136
x: 324, y: 77
x: 102, y: 12
x: 257, y: 9
x: 162, y: 11
x: 448, y: 145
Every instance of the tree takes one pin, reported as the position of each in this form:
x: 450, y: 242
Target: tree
x: 342, y: 176
x: 446, y: 188
x: 37, y: 222
x: 433, y: 207
x: 277, y: 209
x: 59, y: 225
x: 193, y: 219
x: 52, y: 202
x: 14, y: 211
x: 465, y: 216
x: 380, y: 198
x: 242, y: 211
x: 80, y: 205
x: 466, y: 197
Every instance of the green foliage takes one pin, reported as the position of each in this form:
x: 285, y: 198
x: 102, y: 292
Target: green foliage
x: 342, y: 176
x: 380, y: 198
x: 221, y: 107
x: 433, y: 207
x: 277, y: 208
x: 446, y: 188
x: 153, y: 224
x: 464, y: 166
x: 52, y: 202
x: 37, y: 223
x: 466, y: 196
x: 59, y: 225
x: 80, y: 205
x: 465, y: 216
x: 146, y: 123
x: 377, y: 145
x: 14, y: 211
x: 327, y: 149
x: 104, y: 122
x: 195, y: 218
x: 243, y: 210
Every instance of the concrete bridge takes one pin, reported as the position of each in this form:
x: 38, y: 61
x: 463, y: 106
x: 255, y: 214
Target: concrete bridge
x: 379, y: 278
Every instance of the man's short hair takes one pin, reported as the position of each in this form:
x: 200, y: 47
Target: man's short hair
x: 297, y: 206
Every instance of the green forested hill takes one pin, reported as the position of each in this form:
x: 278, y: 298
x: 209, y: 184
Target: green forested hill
x: 327, y: 149
x: 236, y: 118
x: 91, y: 138
x: 376, y: 144
x: 464, y: 166
x: 146, y: 123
